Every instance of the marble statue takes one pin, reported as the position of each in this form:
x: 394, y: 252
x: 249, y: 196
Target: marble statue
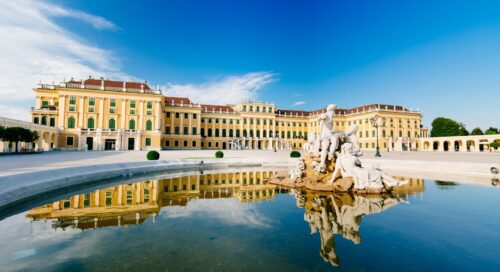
x: 343, y: 149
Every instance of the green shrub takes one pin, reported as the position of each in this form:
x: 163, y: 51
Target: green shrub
x: 295, y: 154
x: 495, y: 145
x: 153, y: 155
x: 219, y: 154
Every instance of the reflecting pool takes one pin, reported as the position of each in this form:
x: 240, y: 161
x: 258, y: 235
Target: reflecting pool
x: 235, y: 221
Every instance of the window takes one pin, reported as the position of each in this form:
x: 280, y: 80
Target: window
x: 45, y: 103
x: 177, y: 132
x: 193, y: 131
x: 167, y: 130
x: 112, y: 102
x: 149, y: 104
x: 251, y: 121
x: 71, y: 122
x: 71, y: 108
x: 209, y: 132
x: 72, y: 100
x: 186, y: 116
x: 223, y: 121
x: 69, y: 141
x: 36, y: 120
x: 176, y: 115
x: 44, y: 120
x: 223, y: 132
x: 108, y: 198
x: 111, y: 124
x: 244, y: 108
x: 251, y: 108
x: 176, y: 143
x: 185, y: 143
x: 216, y: 132
x: 148, y: 141
x: 90, y: 123
x: 230, y: 132
x: 168, y: 114
x: 91, y: 101
x: 131, y: 124
x: 112, y: 110
x: 132, y: 104
x: 91, y: 109
x: 257, y: 109
x: 149, y: 125
x: 167, y: 143
x: 186, y: 131
x: 195, y: 115
x: 193, y: 144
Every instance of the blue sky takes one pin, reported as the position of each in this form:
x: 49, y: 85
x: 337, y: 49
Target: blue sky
x: 439, y: 56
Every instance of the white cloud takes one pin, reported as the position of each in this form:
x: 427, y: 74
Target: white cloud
x: 225, y: 90
x: 225, y: 210
x: 34, y: 48
x: 298, y: 103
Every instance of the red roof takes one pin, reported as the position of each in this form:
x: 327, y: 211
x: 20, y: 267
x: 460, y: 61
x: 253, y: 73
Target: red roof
x: 298, y: 113
x: 113, y: 83
x: 216, y: 108
x: 177, y: 100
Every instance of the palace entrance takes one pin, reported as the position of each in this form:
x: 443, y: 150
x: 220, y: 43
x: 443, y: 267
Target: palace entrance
x: 109, y: 144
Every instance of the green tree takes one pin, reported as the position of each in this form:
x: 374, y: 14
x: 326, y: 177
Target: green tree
x: 19, y: 134
x: 476, y: 131
x: 491, y: 130
x: 2, y: 133
x: 442, y: 127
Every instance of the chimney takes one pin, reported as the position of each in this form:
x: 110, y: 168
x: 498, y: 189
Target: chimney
x: 124, y: 86
x: 142, y: 88
x: 82, y: 85
x: 102, y: 83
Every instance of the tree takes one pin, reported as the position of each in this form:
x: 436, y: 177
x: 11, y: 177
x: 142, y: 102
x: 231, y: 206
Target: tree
x: 19, y: 134
x: 476, y: 131
x: 442, y: 127
x: 495, y: 145
x: 2, y: 133
x: 491, y: 130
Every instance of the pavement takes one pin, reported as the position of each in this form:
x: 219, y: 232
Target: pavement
x: 17, y: 164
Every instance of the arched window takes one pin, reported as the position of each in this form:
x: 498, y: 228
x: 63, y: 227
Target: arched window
x: 230, y: 132
x: 244, y: 133
x: 90, y: 122
x: 111, y: 124
x: 44, y: 120
x: 258, y: 133
x: 223, y: 132
x: 216, y: 132
x: 149, y: 125
x: 271, y: 133
x: 400, y: 133
x: 251, y: 133
x: 383, y: 133
x: 264, y: 133
x: 209, y: 132
x: 131, y: 124
x: 237, y: 133
x: 71, y: 122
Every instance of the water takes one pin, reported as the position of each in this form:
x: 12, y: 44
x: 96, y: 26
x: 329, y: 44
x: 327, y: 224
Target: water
x: 237, y: 222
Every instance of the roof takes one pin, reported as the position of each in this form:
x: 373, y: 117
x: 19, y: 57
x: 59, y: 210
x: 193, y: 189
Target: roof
x: 216, y: 108
x: 177, y: 100
x: 293, y: 112
x: 111, y: 85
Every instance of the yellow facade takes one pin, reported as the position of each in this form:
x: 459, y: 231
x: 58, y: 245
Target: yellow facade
x: 98, y: 114
x: 133, y: 203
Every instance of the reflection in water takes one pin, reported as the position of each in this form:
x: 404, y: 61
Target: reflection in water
x: 136, y: 202
x: 445, y: 184
x: 341, y: 214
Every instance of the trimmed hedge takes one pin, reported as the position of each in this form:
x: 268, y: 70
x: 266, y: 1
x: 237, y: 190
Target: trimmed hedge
x: 153, y: 155
x: 219, y: 154
x: 295, y: 154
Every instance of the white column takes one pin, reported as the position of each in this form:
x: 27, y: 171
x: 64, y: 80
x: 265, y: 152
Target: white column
x: 62, y: 111
x: 123, y: 114
x: 141, y: 116
x: 158, y: 116
x: 80, y: 112
x: 101, y: 113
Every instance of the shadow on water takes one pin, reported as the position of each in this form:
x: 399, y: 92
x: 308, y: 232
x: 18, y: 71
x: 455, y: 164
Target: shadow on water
x: 445, y: 185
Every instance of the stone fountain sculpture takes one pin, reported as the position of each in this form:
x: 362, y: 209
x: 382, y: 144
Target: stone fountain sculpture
x: 332, y: 163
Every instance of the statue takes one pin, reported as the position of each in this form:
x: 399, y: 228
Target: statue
x: 332, y: 163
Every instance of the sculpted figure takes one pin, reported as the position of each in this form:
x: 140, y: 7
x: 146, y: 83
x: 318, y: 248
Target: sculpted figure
x: 326, y: 126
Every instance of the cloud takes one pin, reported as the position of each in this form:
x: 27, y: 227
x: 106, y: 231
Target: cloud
x: 225, y: 210
x: 225, y: 90
x: 34, y: 48
x: 298, y: 103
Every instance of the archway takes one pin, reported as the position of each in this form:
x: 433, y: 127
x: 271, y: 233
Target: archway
x: 45, y: 141
x: 446, y: 145
x: 435, y: 146
x: 53, y: 141
x: 457, y: 145
x: 426, y: 146
x: 471, y: 146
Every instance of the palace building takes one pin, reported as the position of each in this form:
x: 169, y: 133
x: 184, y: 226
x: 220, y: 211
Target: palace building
x: 101, y: 114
